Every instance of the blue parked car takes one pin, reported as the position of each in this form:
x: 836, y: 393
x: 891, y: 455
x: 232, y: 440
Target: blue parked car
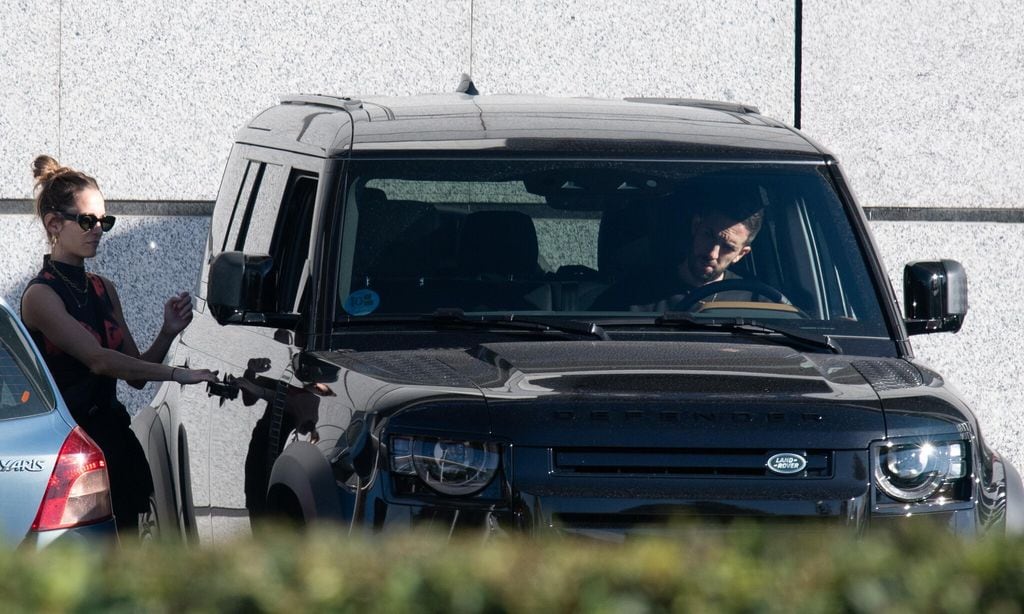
x: 53, y: 477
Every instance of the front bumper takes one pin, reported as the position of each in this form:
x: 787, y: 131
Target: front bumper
x: 613, y: 520
x: 100, y: 533
x: 539, y: 496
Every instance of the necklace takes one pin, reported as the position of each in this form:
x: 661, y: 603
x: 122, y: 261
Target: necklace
x: 71, y: 286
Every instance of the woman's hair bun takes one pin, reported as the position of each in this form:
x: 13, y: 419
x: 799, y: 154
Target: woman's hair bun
x: 57, y: 186
x: 44, y: 168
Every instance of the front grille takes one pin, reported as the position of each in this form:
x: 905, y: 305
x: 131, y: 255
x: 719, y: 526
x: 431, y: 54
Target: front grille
x: 685, y: 463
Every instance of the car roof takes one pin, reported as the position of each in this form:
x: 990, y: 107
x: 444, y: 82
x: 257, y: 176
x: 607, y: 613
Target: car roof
x: 526, y: 124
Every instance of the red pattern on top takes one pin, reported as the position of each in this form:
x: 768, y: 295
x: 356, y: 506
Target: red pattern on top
x: 114, y: 334
x: 97, y: 284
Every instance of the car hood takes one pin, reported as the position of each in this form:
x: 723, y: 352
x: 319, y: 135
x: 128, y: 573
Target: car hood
x: 680, y: 394
x: 629, y: 393
x: 28, y: 451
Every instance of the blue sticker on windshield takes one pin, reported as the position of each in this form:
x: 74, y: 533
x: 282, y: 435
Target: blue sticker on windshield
x: 362, y: 302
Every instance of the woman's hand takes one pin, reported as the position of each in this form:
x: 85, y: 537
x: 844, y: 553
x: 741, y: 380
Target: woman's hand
x: 182, y: 375
x: 177, y: 313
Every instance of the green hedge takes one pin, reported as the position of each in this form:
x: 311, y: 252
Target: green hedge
x: 691, y: 571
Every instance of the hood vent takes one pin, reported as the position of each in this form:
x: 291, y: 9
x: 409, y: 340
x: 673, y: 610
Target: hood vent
x: 888, y: 374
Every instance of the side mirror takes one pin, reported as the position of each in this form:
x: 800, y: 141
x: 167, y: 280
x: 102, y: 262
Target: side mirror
x: 934, y: 296
x: 313, y: 369
x: 243, y: 290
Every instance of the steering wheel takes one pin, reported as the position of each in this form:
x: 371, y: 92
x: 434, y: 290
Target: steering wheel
x: 754, y: 287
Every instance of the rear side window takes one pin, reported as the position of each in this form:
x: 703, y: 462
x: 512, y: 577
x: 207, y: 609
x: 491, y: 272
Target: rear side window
x: 235, y: 186
x: 250, y: 183
x: 24, y: 390
x: 290, y: 243
x: 252, y: 227
x: 274, y: 217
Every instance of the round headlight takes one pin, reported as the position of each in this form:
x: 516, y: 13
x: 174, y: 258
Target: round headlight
x: 455, y: 467
x: 911, y: 472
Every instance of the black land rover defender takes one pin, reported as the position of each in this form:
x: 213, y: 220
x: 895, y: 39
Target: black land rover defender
x: 594, y: 317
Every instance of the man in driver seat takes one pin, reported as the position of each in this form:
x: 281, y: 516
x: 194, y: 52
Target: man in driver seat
x: 720, y: 236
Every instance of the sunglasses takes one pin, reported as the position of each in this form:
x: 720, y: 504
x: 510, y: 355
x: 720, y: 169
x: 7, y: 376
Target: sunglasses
x: 88, y: 221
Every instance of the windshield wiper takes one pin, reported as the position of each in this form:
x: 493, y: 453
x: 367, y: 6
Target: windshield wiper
x: 750, y: 327
x: 453, y: 316
x: 511, y: 320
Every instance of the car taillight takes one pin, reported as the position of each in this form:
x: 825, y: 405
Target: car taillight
x: 79, y: 490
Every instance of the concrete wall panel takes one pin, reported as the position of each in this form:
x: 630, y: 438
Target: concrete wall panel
x: 154, y: 91
x: 29, y: 104
x: 918, y: 99
x: 733, y: 50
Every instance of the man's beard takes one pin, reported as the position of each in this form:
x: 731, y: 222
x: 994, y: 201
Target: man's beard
x: 706, y: 277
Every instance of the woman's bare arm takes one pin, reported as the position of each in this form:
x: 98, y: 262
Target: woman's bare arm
x: 44, y: 311
x: 177, y: 315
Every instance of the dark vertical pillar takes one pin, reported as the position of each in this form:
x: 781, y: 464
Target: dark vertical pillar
x: 798, y: 36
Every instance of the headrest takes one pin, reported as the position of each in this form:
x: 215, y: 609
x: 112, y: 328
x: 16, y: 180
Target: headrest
x: 370, y: 196
x: 498, y: 242
x: 623, y: 242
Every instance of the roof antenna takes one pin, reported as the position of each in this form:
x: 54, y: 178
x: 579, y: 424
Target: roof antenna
x: 466, y: 86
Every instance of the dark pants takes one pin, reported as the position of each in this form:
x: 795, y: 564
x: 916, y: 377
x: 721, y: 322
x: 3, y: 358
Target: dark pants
x: 130, y: 481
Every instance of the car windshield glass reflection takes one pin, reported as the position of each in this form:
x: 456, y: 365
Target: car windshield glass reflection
x: 598, y: 240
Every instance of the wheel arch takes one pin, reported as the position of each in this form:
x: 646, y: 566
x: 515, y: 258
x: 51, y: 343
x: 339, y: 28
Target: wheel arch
x: 149, y: 430
x: 303, y: 471
x: 1014, y: 499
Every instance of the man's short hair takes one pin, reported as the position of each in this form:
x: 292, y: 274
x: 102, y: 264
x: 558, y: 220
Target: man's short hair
x: 753, y: 224
x: 734, y: 198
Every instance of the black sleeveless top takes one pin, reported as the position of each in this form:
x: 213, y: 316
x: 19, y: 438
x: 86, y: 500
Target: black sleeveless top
x: 85, y: 297
x: 92, y: 398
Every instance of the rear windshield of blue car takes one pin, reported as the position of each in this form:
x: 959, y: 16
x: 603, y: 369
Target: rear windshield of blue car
x: 24, y: 389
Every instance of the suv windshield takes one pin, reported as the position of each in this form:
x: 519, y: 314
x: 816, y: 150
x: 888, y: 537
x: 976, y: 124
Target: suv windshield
x: 601, y: 240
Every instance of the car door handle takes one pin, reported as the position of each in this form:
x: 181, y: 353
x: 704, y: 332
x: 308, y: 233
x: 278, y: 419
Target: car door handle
x: 226, y: 389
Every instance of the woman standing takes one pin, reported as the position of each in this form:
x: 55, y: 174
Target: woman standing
x: 75, y: 318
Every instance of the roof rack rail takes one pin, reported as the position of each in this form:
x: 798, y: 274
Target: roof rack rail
x: 338, y: 102
x: 732, y: 107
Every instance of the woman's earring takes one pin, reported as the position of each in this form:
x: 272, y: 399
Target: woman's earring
x: 53, y: 241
